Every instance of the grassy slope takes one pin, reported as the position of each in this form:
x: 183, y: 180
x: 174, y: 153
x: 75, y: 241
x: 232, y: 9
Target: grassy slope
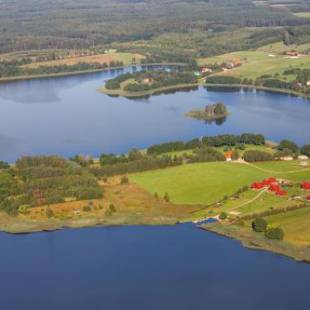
x: 296, y: 225
x: 258, y: 63
x: 202, y: 183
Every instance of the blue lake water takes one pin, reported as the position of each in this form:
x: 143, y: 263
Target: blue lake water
x: 67, y: 116
x: 145, y: 268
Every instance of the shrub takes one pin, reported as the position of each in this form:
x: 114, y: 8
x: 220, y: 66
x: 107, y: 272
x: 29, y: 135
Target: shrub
x: 253, y: 155
x: 259, y: 224
x: 124, y: 180
x: 4, y: 165
x: 49, y: 212
x: 235, y: 155
x: 167, y: 197
x: 156, y: 195
x: 87, y: 208
x: 112, y: 208
x: 223, y: 216
x: 274, y: 233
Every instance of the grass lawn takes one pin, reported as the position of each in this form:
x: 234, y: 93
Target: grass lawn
x: 201, y: 183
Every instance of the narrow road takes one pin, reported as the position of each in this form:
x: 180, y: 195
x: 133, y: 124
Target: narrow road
x: 251, y: 200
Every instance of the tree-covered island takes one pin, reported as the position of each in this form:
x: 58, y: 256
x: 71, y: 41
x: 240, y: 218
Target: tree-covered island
x: 147, y: 83
x: 211, y: 112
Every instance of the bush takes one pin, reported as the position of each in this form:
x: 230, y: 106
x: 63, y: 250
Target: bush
x: 49, y: 212
x: 253, y: 155
x: 223, y: 216
x: 167, y: 197
x: 235, y: 155
x: 274, y: 233
x: 87, y: 208
x: 259, y: 225
x: 124, y: 180
x: 4, y: 165
x: 112, y: 208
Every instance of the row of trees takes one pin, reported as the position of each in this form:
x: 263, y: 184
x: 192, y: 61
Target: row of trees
x: 10, y: 70
x: 215, y: 141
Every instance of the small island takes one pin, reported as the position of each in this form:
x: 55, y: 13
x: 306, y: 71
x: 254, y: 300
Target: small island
x: 212, y: 112
x: 146, y: 83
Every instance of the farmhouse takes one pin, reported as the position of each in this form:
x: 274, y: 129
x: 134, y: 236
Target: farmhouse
x: 303, y: 157
x: 232, y: 64
x: 305, y: 185
x: 228, y: 155
x: 204, y: 70
x: 287, y: 158
x: 292, y: 53
x: 146, y: 81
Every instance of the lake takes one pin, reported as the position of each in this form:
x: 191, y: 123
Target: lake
x: 178, y: 267
x: 67, y: 116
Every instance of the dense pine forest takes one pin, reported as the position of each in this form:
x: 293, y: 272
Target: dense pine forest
x: 43, y: 24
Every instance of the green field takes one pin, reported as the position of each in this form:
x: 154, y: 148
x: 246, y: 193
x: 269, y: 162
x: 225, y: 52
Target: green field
x: 258, y: 63
x: 296, y: 225
x: 201, y: 183
x: 206, y: 183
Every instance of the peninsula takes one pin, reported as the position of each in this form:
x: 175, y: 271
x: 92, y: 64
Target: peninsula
x: 256, y: 192
x: 146, y: 83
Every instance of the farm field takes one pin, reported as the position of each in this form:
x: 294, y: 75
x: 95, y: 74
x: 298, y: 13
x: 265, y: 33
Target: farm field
x: 207, y: 183
x: 202, y: 183
x: 126, y: 58
x: 258, y: 63
x: 296, y: 225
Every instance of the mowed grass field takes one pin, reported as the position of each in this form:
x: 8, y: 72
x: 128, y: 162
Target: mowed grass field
x: 201, y: 183
x: 206, y: 183
x: 258, y: 63
x: 126, y: 58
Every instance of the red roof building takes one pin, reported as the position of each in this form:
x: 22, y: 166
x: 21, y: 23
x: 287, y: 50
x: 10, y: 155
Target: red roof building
x: 305, y: 185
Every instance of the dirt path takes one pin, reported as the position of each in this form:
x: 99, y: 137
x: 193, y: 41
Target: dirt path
x: 250, y: 201
x: 241, y: 161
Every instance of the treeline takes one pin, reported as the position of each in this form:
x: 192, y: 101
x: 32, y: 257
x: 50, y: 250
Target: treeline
x: 147, y: 163
x: 147, y: 80
x: 299, y: 84
x: 213, y: 141
x: 9, y: 70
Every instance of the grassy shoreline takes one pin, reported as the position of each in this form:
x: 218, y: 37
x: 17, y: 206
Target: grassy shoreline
x: 255, y: 241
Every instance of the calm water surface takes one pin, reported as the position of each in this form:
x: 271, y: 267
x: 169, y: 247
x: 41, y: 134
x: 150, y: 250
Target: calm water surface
x: 67, y: 116
x: 145, y: 268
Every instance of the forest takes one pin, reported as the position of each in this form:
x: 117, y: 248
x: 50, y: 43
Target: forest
x: 36, y: 25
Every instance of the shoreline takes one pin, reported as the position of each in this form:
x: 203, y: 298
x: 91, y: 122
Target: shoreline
x: 254, y: 87
x: 141, y: 94
x: 77, y: 73
x: 151, y: 92
x: 255, y: 241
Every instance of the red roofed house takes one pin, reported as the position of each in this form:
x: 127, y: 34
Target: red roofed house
x: 305, y: 185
